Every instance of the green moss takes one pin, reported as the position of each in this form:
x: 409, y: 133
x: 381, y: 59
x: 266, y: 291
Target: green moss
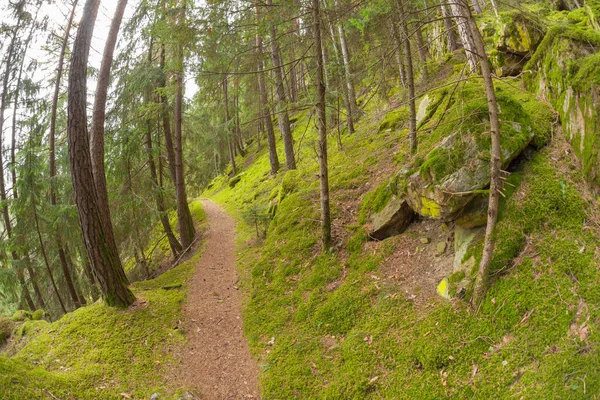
x: 21, y: 315
x: 6, y: 327
x: 394, y: 119
x: 99, y: 351
x: 375, y: 201
x: 357, y: 240
x: 38, y: 315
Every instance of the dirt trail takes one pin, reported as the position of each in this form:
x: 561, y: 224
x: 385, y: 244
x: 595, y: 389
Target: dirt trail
x: 216, y: 361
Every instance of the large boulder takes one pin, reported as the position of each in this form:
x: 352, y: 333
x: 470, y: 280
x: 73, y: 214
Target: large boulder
x: 457, y: 169
x: 564, y: 71
x: 392, y: 220
x: 516, y: 35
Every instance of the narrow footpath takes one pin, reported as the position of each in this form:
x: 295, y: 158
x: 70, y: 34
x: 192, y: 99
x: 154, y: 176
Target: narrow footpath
x: 216, y: 361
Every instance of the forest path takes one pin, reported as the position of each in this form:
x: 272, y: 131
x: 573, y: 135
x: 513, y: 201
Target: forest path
x: 216, y: 361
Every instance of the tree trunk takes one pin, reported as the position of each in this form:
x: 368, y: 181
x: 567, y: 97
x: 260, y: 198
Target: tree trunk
x: 410, y: 78
x: 293, y: 70
x: 184, y: 216
x: 36, y: 288
x: 103, y: 254
x: 24, y: 291
x: 322, y: 127
x: 460, y: 12
x: 347, y: 66
x: 52, y: 154
x: 165, y: 119
x: 398, y: 53
x: 347, y: 103
x: 98, y: 117
x: 158, y: 197
x: 495, y: 164
x: 45, y: 256
x: 266, y: 114
x: 227, y: 127
x: 449, y: 27
x: 282, y: 103
x: 239, y: 141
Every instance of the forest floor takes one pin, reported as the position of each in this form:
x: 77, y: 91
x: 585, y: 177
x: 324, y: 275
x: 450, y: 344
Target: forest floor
x: 216, y: 361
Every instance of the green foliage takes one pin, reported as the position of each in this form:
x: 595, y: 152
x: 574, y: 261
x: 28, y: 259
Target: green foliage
x: 21, y: 315
x: 99, y: 351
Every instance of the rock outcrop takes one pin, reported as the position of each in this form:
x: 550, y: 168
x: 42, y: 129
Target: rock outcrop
x: 392, y: 220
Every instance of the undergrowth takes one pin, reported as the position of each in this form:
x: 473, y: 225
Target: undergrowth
x: 99, y: 352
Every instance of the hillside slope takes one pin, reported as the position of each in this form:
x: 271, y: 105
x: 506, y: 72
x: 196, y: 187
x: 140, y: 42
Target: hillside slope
x: 360, y: 320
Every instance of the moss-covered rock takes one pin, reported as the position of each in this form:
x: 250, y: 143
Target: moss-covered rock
x: 394, y: 119
x: 38, y: 315
x: 6, y: 327
x: 566, y: 71
x: 392, y: 220
x: 457, y: 169
x: 21, y: 315
x: 515, y: 36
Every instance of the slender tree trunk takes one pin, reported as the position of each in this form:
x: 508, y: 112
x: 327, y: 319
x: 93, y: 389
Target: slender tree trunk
x: 158, y: 197
x: 398, y: 53
x: 165, y: 118
x: 322, y: 127
x: 266, y: 114
x: 102, y: 253
x: 36, y: 289
x: 98, y: 117
x: 239, y: 141
x: 476, y: 6
x: 347, y: 102
x: 293, y: 70
x: 3, y: 198
x: 449, y: 27
x: 410, y: 78
x: 227, y: 127
x: 52, y: 154
x: 24, y: 291
x: 347, y: 66
x: 184, y: 216
x: 460, y: 12
x: 282, y: 103
x: 44, y: 255
x: 495, y: 163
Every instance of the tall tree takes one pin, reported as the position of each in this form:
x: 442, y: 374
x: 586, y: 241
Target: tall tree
x: 98, y: 118
x: 282, y: 103
x: 184, y: 216
x: 103, y: 254
x: 495, y: 161
x: 52, y: 153
x: 410, y: 77
x: 264, y: 99
x: 322, y: 127
x: 158, y: 196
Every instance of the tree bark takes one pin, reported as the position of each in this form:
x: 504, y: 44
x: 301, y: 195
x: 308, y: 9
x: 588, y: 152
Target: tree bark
x: 452, y: 41
x: 282, y: 103
x: 461, y: 12
x: 495, y: 164
x: 165, y: 119
x: 52, y: 155
x: 158, y: 197
x: 398, y: 53
x: 322, y: 127
x: 98, y: 119
x: 184, y: 216
x: 410, y: 78
x: 45, y: 256
x: 103, y: 254
x: 347, y: 66
x: 227, y: 127
x: 36, y: 289
x: 24, y: 291
x: 266, y: 114
x: 347, y: 103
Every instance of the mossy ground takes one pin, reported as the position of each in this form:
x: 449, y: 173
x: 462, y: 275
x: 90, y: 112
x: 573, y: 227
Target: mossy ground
x: 340, y: 332
x: 99, y: 352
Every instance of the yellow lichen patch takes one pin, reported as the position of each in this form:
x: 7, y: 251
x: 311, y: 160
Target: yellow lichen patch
x: 442, y: 288
x: 430, y: 207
